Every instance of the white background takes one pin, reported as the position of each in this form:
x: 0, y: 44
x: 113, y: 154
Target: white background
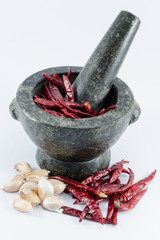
x: 37, y: 34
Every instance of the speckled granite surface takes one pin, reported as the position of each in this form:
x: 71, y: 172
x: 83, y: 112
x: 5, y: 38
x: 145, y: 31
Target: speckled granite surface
x: 98, y: 74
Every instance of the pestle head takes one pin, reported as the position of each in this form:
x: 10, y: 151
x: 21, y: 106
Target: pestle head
x: 97, y: 76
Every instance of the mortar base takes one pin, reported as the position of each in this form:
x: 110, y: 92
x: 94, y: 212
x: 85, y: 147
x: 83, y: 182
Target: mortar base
x: 73, y: 170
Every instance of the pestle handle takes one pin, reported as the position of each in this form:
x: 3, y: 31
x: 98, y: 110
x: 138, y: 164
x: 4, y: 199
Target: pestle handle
x: 97, y: 76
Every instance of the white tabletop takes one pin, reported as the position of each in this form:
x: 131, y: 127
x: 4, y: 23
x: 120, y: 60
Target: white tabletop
x: 46, y: 33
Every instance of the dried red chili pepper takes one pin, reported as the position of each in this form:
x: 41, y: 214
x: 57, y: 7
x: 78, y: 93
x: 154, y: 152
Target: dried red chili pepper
x: 79, y: 185
x: 57, y: 77
x: 78, y: 112
x: 111, y: 107
x: 56, y: 82
x: 103, y: 182
x: 72, y: 104
x: 39, y: 105
x: 47, y: 103
x: 76, y: 213
x: 110, y: 189
x: 55, y: 92
x: 88, y: 107
x: 129, y: 183
x: 76, y: 201
x: 116, y: 173
x: 131, y: 203
x: 72, y: 115
x: 69, y: 74
x: 48, y: 93
x: 114, y: 217
x: 68, y: 87
x: 102, y: 111
x: 86, y: 209
x: 111, y: 208
x: 103, y: 173
x: 41, y: 96
x: 137, y: 187
x: 88, y: 200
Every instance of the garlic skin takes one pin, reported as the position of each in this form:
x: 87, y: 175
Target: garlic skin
x: 53, y: 203
x: 41, y: 173
x: 22, y: 205
x: 29, y: 195
x: 14, y: 184
x: 30, y: 185
x: 58, y: 186
x: 45, y: 189
x: 23, y: 167
x: 34, y: 178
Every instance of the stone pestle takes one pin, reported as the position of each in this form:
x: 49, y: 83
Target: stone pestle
x: 96, y: 78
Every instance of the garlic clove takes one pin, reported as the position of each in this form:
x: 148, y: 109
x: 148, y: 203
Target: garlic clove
x: 23, y: 167
x: 14, y: 184
x: 41, y: 173
x: 53, y: 203
x: 22, y: 205
x: 30, y: 185
x: 29, y: 195
x: 58, y: 186
x: 34, y: 178
x: 45, y: 189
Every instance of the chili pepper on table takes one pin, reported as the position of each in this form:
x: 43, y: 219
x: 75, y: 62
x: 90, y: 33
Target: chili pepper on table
x: 110, y: 189
x: 79, y: 185
x: 88, y: 200
x: 68, y: 88
x: 129, y: 183
x: 103, y: 173
x: 131, y: 203
x: 114, y: 217
x: 76, y: 213
x: 137, y: 187
x: 86, y: 209
x: 56, y: 82
x: 116, y: 173
x: 111, y: 208
x: 102, y: 182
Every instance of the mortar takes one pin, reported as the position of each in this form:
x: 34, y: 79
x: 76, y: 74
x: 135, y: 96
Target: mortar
x: 75, y: 148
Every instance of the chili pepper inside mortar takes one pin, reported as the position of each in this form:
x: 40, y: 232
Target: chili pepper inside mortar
x: 71, y: 128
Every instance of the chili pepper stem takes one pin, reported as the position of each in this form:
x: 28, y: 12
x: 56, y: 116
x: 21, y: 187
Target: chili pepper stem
x: 102, y: 195
x: 116, y: 204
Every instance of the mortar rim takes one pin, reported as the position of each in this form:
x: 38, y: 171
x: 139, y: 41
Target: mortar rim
x: 25, y: 101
